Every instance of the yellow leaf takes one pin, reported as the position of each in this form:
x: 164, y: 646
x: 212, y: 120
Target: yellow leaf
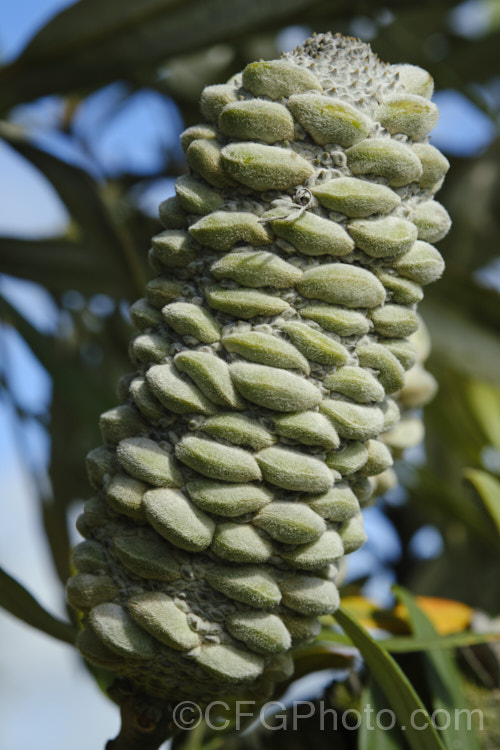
x: 446, y: 615
x: 369, y: 614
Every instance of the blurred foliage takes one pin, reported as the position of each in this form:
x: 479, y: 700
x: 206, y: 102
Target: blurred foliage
x: 175, y: 48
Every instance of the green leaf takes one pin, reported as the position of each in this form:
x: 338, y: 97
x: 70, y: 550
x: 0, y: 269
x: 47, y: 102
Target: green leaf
x: 75, y: 28
x: 20, y: 603
x: 329, y: 635
x: 372, y: 735
x: 322, y: 655
x: 395, y: 685
x: 42, y: 346
x: 444, y: 681
x: 458, y: 340
x: 55, y: 524
x: 79, y: 395
x: 101, y: 247
x: 488, y: 489
x: 466, y: 59
x: 409, y: 644
x: 436, y: 496
x: 465, y: 292
x: 58, y: 264
x: 484, y: 400
x: 73, y: 51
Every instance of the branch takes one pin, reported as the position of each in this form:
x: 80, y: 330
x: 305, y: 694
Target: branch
x: 146, y: 721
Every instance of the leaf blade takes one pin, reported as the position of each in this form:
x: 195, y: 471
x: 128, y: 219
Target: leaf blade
x: 412, y: 644
x: 58, y: 264
x: 373, y: 736
x: 103, y: 242
x: 488, y: 489
x: 409, y: 644
x: 20, y: 603
x: 443, y: 678
x: 130, y: 40
x: 394, y: 684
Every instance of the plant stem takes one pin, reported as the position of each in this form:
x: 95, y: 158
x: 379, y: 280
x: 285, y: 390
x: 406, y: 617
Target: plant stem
x: 146, y: 722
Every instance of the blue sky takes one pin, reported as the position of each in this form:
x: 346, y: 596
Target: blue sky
x: 42, y: 679
x: 20, y: 20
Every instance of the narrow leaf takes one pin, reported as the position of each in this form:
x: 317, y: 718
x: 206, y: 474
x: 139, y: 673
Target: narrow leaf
x: 58, y: 264
x: 74, y: 27
x: 103, y: 242
x: 467, y: 58
x: 409, y: 644
x: 20, y: 603
x: 405, y: 644
x: 374, y: 733
x: 484, y: 399
x: 461, y: 342
x: 395, y: 685
x: 488, y: 489
x: 444, y: 681
x: 369, y: 614
x: 447, y: 615
x: 436, y: 496
x: 55, y: 523
x: 318, y: 656
x: 130, y: 36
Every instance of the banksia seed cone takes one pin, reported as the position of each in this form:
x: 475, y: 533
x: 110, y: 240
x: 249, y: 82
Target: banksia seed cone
x: 272, y: 341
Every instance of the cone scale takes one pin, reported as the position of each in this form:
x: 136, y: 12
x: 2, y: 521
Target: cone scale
x: 272, y: 349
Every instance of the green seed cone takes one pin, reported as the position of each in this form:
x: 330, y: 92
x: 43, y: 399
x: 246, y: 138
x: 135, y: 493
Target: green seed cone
x: 270, y: 363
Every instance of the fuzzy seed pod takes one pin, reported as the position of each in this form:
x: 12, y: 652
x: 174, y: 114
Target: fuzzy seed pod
x: 271, y: 359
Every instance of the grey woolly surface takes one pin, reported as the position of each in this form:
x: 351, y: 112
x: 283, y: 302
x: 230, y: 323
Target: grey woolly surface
x: 263, y: 408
